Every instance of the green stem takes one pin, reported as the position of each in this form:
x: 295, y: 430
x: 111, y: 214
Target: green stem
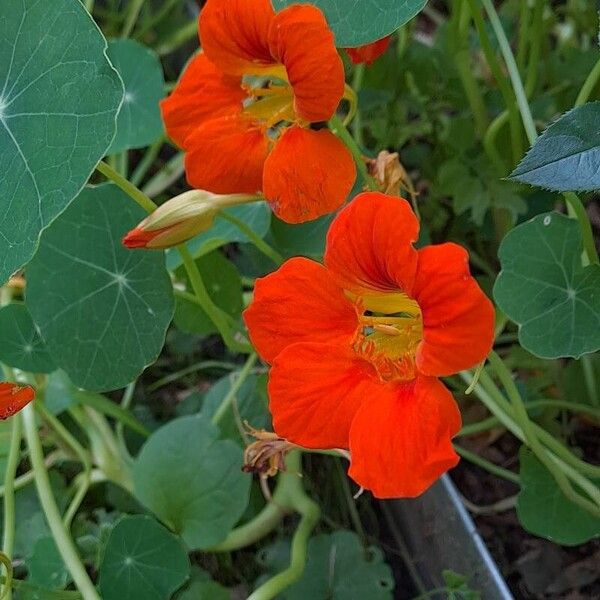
x: 589, y: 85
x: 255, y: 239
x: 64, y: 542
x: 235, y: 388
x: 180, y: 36
x: 523, y: 38
x: 146, y: 162
x: 215, y: 314
x: 338, y: 128
x: 535, y: 47
x: 487, y: 465
x: 357, y: 81
x: 577, y: 210
x: 590, y: 381
x: 89, y: 6
x: 474, y: 428
x: 132, y: 15
x: 150, y: 23
x: 12, y: 463
x: 564, y: 404
x: 199, y: 366
x: 489, y: 141
x: 130, y: 189
x: 166, y: 176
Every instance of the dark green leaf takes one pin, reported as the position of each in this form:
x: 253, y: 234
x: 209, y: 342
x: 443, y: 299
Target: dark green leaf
x: 566, y: 157
x: 46, y: 567
x: 357, y: 23
x: 202, y: 587
x: 544, y: 288
x: 20, y: 343
x: 139, y: 122
x: 102, y: 309
x: 305, y: 239
x: 60, y: 393
x: 543, y: 509
x: 142, y: 559
x: 192, y: 480
x: 59, y: 97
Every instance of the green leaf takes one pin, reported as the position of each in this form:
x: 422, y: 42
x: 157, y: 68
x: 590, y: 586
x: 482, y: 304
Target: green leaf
x: 46, y: 567
x: 338, y: 568
x: 224, y: 286
x: 544, y: 289
x: 102, y: 309
x: 192, y: 480
x: 59, y: 98
x: 20, y: 343
x: 60, y: 393
x: 142, y: 559
x: 256, y: 215
x: 566, y: 157
x: 202, y: 587
x: 139, y: 122
x: 543, y: 509
x: 357, y: 23
x: 304, y: 239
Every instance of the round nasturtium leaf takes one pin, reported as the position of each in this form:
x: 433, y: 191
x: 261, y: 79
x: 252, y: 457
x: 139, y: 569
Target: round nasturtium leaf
x: 543, y: 509
x: 45, y: 565
x: 544, y: 288
x: 59, y: 98
x: 102, y: 309
x: 142, y: 559
x: 566, y: 157
x: 20, y: 343
x: 139, y: 122
x: 365, y: 21
x: 338, y: 568
x: 192, y: 480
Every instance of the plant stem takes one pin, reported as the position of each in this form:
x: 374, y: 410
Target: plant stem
x: 12, y: 463
x: 590, y: 381
x: 487, y: 465
x: 64, y: 542
x: 357, y: 80
x: 199, y: 366
x: 126, y: 186
x: 132, y: 14
x: 479, y: 427
x: 589, y: 85
x: 338, y: 128
x: 235, y: 388
x: 215, y: 314
x: 146, y: 162
x: 255, y: 239
x: 577, y: 210
x: 535, y: 47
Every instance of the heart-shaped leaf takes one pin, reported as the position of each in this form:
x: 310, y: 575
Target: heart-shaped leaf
x: 142, y: 559
x: 543, y: 509
x: 102, y: 309
x: 566, y: 157
x: 59, y: 98
x: 20, y: 343
x: 192, y: 480
x: 544, y: 288
x: 139, y: 122
x: 358, y: 23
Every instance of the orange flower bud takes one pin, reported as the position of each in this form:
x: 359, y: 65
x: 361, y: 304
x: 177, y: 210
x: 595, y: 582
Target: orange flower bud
x: 13, y: 398
x: 181, y: 218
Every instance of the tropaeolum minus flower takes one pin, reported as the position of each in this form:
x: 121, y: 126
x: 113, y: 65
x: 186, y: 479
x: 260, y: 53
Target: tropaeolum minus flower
x: 357, y: 345
x: 13, y: 398
x: 244, y: 107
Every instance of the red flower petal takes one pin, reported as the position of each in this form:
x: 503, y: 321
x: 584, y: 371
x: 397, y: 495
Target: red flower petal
x: 369, y: 52
x: 203, y: 93
x: 301, y: 40
x: 227, y: 155
x: 308, y: 174
x: 13, y: 398
x: 298, y: 303
x: 458, y: 318
x: 400, y: 440
x: 315, y: 391
x: 369, y: 244
x: 234, y: 34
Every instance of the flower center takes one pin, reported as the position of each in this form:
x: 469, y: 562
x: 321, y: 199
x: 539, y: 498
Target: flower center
x: 390, y: 329
x: 270, y: 97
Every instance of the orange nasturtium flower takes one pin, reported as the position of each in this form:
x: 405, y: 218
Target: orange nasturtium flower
x: 13, y: 398
x: 243, y: 108
x: 369, y: 53
x: 356, y: 346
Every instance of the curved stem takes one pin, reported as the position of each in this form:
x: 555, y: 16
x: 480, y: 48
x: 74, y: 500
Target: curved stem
x: 12, y: 463
x: 130, y: 189
x: 487, y: 465
x: 255, y: 239
x: 235, y: 388
x: 588, y: 86
x: 132, y: 15
x: 577, y: 210
x: 64, y: 542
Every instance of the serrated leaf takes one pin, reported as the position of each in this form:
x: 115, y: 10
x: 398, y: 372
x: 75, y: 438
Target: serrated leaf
x: 224, y: 286
x: 21, y: 345
x: 338, y: 568
x: 257, y: 216
x: 102, y: 309
x: 139, y: 122
x: 544, y: 289
x: 192, y: 480
x: 543, y: 509
x: 566, y: 157
x: 357, y: 23
x: 45, y: 566
x: 59, y: 97
x: 142, y: 559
